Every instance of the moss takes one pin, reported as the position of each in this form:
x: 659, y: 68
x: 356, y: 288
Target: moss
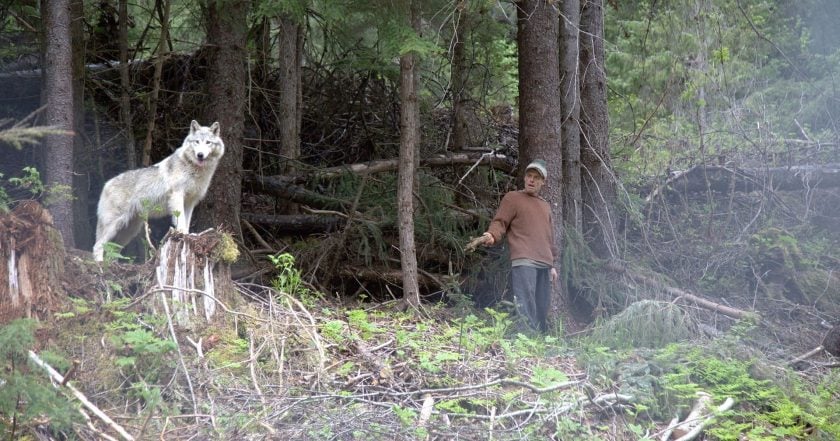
x: 227, y: 251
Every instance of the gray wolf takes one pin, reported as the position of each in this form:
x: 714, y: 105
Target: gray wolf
x: 173, y: 186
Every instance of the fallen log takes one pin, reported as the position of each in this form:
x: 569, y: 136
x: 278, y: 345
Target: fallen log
x: 284, y: 188
x: 497, y: 161
x: 298, y: 223
x: 678, y: 293
x: 393, y: 277
x: 702, y: 178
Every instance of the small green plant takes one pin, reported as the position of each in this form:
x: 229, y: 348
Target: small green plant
x: 112, y: 252
x: 360, y: 321
x: 142, y: 352
x: 289, y: 280
x: 26, y: 394
x: 30, y: 181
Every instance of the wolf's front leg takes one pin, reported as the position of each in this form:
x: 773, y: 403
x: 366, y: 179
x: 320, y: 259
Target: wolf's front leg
x: 179, y: 212
x: 188, y: 212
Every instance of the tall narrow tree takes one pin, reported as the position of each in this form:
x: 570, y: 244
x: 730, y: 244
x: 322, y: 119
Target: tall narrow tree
x: 598, y: 184
x: 460, y: 69
x: 539, y: 98
x: 409, y: 141
x: 82, y: 151
x: 125, y: 87
x: 161, y: 54
x: 227, y: 30
x: 290, y: 45
x: 570, y: 112
x: 58, y: 100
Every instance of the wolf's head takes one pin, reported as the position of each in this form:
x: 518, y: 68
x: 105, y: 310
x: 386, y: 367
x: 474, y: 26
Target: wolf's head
x: 203, y: 145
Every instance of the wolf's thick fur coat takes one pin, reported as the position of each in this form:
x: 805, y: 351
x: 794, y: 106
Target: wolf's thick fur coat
x: 173, y: 186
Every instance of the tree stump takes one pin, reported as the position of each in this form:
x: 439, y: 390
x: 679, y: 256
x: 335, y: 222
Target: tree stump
x: 32, y: 267
x: 192, y: 274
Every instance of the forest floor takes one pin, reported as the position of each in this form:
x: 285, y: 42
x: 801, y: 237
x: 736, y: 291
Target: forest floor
x: 297, y: 364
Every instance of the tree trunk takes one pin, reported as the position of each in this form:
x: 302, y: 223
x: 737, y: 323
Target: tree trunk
x: 82, y: 151
x: 161, y: 53
x: 289, y: 90
x: 409, y: 140
x: 598, y: 182
x: 125, y: 84
x: 539, y: 104
x: 227, y: 37
x: 460, y: 69
x: 58, y: 98
x: 570, y: 111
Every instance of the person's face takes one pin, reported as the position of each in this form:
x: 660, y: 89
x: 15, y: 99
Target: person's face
x: 533, y: 182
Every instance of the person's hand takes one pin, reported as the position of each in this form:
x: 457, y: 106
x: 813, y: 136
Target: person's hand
x: 489, y: 239
x: 553, y: 275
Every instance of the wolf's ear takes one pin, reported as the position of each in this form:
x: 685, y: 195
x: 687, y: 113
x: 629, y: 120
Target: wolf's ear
x: 194, y: 126
x: 215, y: 128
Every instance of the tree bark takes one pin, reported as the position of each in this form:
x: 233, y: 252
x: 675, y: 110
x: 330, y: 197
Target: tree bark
x: 570, y: 101
x: 409, y: 140
x: 227, y: 37
x: 58, y: 98
x: 597, y: 178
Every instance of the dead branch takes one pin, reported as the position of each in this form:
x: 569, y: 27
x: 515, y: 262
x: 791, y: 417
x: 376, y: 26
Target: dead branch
x: 475, y: 243
x: 806, y: 355
x: 682, y: 294
x: 700, y: 416
x: 80, y: 396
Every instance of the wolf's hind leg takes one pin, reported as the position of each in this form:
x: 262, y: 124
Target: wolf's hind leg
x: 107, y: 229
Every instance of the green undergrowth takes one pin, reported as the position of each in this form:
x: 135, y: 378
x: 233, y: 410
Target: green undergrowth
x: 771, y: 401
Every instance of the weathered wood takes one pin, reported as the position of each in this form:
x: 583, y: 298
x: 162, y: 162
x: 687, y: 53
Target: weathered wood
x: 702, y: 178
x: 193, y: 271
x: 31, y: 263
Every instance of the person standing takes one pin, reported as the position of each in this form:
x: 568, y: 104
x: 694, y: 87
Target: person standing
x: 525, y: 218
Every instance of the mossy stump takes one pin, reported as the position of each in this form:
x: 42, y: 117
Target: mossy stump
x: 192, y: 276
